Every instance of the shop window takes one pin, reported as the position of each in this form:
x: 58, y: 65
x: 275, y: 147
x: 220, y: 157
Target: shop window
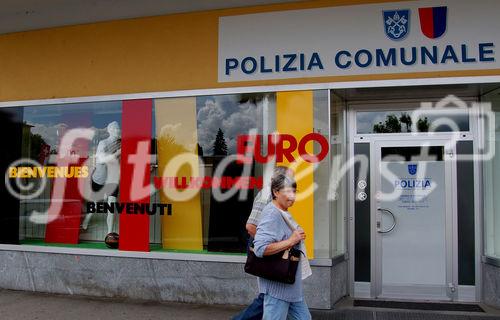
x: 44, y: 128
x: 491, y: 180
x: 72, y: 193
x: 207, y: 128
x: 328, y: 229
x: 338, y: 182
x: 221, y: 120
x: 204, y: 161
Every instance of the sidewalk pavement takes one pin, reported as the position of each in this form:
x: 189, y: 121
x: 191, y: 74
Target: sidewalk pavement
x: 22, y: 305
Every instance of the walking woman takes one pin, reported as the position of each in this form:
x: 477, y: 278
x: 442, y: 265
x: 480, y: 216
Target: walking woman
x: 274, y: 234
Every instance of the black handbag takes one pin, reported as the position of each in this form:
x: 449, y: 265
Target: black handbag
x: 281, y: 267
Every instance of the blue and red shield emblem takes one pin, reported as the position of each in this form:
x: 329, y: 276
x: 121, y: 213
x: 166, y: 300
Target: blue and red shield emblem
x: 433, y: 21
x: 412, y: 169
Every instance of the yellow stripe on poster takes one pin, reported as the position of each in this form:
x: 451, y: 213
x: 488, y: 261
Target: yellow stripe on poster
x: 176, y: 134
x: 294, y: 116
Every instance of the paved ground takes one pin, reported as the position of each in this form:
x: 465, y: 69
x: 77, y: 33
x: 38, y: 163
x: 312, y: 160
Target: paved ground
x: 18, y: 305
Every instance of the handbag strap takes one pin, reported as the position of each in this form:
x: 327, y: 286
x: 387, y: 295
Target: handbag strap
x: 289, y: 224
x: 291, y: 228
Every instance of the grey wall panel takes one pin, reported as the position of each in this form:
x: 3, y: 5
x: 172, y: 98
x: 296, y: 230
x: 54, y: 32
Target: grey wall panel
x: 465, y: 205
x: 362, y: 221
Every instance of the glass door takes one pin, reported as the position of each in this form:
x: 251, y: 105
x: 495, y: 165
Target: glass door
x: 413, y: 221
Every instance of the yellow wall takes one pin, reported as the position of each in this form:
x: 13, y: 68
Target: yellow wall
x: 176, y: 135
x: 295, y: 116
x: 166, y: 53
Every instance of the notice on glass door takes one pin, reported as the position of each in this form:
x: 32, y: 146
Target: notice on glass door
x: 414, y: 185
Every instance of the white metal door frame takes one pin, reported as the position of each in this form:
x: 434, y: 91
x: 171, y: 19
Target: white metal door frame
x: 364, y: 290
x: 450, y: 217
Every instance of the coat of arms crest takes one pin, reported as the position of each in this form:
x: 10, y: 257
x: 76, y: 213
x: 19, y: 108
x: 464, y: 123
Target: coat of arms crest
x: 397, y: 23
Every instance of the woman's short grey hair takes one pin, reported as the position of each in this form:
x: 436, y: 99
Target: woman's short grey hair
x: 281, y: 181
x: 279, y: 170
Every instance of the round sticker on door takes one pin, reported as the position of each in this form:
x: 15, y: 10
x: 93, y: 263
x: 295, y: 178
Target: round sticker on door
x: 362, y: 196
x: 362, y: 184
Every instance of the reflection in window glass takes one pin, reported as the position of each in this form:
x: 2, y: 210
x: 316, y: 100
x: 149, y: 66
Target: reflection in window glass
x: 397, y: 154
x: 338, y: 160
x: 208, y: 129
x: 44, y: 127
x: 325, y: 207
x: 220, y: 120
x: 404, y: 121
x: 491, y: 180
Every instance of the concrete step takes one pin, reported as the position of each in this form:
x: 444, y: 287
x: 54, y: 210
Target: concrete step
x: 378, y: 314
x: 344, y: 310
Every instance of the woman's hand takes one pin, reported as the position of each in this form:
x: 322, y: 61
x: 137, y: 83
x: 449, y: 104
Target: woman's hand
x: 297, y: 236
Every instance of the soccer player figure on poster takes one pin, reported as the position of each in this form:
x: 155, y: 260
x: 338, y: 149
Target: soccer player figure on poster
x: 106, y: 174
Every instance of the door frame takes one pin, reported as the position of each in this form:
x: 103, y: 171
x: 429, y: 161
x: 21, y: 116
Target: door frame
x: 451, y: 219
x: 363, y: 289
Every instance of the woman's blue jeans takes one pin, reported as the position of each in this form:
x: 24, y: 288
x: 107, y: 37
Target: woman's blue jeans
x: 276, y: 309
x: 254, y: 311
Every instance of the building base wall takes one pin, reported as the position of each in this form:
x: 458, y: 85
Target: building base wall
x: 340, y: 281
x: 491, y: 285
x: 153, y: 279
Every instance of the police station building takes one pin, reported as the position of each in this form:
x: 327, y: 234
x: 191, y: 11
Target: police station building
x: 134, y: 148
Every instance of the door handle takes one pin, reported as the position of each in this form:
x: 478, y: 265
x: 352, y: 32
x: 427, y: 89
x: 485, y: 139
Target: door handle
x: 387, y: 211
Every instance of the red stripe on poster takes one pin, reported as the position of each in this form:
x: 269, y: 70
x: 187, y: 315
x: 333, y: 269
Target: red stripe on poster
x: 135, y: 172
x: 66, y: 201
